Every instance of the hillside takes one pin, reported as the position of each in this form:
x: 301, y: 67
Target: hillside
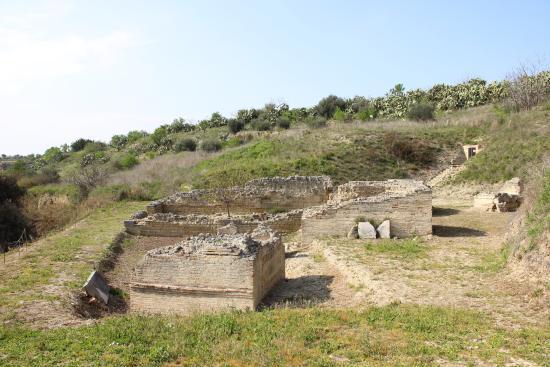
x: 476, y: 292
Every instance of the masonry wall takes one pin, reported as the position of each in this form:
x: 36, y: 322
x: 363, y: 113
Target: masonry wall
x: 256, y: 196
x: 205, y: 282
x: 409, y: 215
x: 284, y: 223
x: 186, y: 284
x: 270, y: 265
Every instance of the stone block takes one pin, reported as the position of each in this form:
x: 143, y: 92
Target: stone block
x: 384, y: 229
x: 366, y: 230
x: 96, y: 286
x: 353, y: 232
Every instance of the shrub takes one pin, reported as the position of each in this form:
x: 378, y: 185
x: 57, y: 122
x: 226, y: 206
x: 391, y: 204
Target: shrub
x: 340, y: 115
x: 316, y: 122
x: 260, y: 125
x: 13, y: 223
x: 79, y: 144
x: 119, y: 141
x: 9, y: 190
x: 158, y: 135
x: 421, y: 111
x: 179, y: 125
x: 46, y: 176
x: 328, y: 105
x: 411, y: 150
x: 283, y: 123
x: 128, y: 160
x: 135, y: 135
x: 95, y: 146
x: 52, y: 155
x: 211, y: 145
x: 186, y: 144
x: 235, y: 125
x: 528, y: 88
x: 87, y: 178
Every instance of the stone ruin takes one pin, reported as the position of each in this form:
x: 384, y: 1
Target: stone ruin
x: 225, y: 262
x: 206, y: 273
x: 407, y: 204
x: 507, y: 199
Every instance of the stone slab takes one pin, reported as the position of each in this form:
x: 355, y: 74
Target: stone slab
x: 366, y: 230
x: 384, y: 229
x: 96, y: 286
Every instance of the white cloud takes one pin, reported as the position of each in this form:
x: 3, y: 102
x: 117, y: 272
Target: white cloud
x: 28, y: 55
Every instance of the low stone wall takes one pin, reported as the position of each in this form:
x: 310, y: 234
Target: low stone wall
x: 257, y: 196
x: 209, y: 273
x: 406, y: 203
x: 174, y: 225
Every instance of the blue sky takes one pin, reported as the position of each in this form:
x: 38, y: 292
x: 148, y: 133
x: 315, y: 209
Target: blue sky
x: 92, y: 69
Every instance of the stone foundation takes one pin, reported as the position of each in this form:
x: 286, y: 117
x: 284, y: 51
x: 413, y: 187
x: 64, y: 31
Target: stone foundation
x: 209, y: 273
x: 257, y: 196
x: 406, y: 203
x: 175, y: 225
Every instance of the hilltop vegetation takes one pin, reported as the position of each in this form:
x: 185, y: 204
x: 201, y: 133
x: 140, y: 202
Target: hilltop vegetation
x: 348, y: 139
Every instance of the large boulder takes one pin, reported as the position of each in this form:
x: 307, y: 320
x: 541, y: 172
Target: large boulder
x: 384, y: 229
x: 366, y: 230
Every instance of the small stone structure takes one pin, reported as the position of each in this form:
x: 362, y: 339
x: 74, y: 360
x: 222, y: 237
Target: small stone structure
x: 96, y: 286
x: 507, y: 199
x: 208, y: 273
x: 406, y: 203
x: 471, y: 150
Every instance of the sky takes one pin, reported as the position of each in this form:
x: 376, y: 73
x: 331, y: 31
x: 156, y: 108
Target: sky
x: 92, y: 69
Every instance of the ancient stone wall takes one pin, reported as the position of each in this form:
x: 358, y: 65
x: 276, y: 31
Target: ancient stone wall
x: 209, y: 273
x: 257, y: 196
x: 175, y: 225
x: 406, y: 203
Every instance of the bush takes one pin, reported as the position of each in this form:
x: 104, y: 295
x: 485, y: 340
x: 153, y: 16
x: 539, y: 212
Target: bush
x: 235, y: 125
x: 127, y: 161
x: 46, y: 176
x: 411, y: 150
x: 9, y: 190
x: 53, y: 154
x: 316, y: 122
x: 283, y: 123
x: 12, y: 223
x: 421, y: 111
x: 79, y: 144
x: 135, y: 135
x: 211, y: 145
x: 260, y: 125
x: 186, y: 144
x: 328, y: 105
x: 119, y: 141
x: 159, y: 135
x: 340, y: 115
x: 528, y: 88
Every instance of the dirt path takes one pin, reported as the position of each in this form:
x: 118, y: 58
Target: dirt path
x: 460, y: 266
x: 38, y: 285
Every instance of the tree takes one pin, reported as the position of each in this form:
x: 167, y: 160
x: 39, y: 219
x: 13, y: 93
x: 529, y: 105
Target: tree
x: 9, y: 190
x: 328, y: 105
x: 79, y: 144
x: 87, y: 178
x: 223, y: 191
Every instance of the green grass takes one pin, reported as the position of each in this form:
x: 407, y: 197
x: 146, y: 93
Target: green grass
x: 60, y: 253
x: 344, y: 152
x: 379, y: 336
x: 511, y: 148
x: 410, y: 248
